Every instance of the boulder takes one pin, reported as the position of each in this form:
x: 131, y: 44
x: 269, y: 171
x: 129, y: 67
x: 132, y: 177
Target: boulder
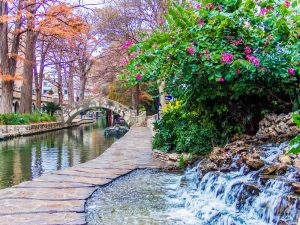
x: 1, y: 135
x: 296, y: 187
x: 206, y: 166
x: 255, y: 163
x: 296, y: 163
x: 270, y: 170
x: 285, y: 159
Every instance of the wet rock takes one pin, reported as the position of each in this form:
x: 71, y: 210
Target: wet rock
x: 285, y: 159
x: 173, y: 157
x: 296, y: 163
x: 226, y: 169
x: 255, y: 155
x: 296, y: 187
x: 270, y: 170
x: 255, y: 163
x: 219, y: 156
x: 207, y: 166
x: 282, y: 168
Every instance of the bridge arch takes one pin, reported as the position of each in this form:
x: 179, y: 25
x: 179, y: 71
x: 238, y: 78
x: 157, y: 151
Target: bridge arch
x: 70, y: 112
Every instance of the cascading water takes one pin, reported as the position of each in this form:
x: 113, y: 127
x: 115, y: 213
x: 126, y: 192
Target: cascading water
x: 218, y: 198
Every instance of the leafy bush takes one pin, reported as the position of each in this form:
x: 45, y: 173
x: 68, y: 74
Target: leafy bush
x: 229, y: 62
x: 51, y: 108
x: 18, y: 119
x: 295, y: 143
x: 178, y: 131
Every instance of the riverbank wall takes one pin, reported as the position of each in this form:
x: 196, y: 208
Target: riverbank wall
x: 10, y: 131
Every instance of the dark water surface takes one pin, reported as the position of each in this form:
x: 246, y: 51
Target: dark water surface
x: 25, y: 158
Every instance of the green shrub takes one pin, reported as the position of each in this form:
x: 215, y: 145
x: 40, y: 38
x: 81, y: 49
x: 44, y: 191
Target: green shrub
x: 18, y: 119
x: 51, y: 108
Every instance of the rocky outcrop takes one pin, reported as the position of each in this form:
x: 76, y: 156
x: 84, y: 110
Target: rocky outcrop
x: 173, y: 159
x: 277, y: 128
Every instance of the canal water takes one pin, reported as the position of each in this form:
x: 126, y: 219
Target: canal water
x: 25, y: 158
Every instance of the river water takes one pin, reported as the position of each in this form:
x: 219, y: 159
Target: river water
x: 148, y: 197
x: 25, y: 158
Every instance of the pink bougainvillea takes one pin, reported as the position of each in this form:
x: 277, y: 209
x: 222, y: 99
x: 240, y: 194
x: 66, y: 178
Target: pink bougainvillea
x: 209, y: 6
x: 127, y: 44
x: 200, y: 21
x: 287, y: 3
x: 124, y: 62
x: 219, y: 8
x: 191, y: 50
x: 198, y: 6
x: 291, y: 71
x: 222, y: 80
x: 254, y: 60
x: 236, y: 43
x: 248, y: 50
x: 264, y: 11
x: 138, y: 76
x: 226, y: 57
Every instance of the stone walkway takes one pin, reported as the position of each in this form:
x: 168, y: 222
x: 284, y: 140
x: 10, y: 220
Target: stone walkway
x: 59, y: 198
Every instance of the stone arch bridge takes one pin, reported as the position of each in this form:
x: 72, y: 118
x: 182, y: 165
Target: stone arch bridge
x: 70, y: 112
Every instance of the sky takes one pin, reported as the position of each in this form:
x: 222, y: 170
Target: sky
x: 89, y: 2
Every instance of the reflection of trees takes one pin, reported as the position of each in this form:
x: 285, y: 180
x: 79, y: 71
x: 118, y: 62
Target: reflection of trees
x: 24, y: 158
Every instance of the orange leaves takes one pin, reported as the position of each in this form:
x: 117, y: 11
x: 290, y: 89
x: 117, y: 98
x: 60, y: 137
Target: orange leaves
x: 8, y: 77
x: 60, y: 21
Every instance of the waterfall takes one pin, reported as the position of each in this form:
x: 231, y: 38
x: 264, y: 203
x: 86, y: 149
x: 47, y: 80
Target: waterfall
x: 235, y: 198
x: 239, y: 197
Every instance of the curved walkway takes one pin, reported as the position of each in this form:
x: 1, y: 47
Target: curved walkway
x: 59, y: 198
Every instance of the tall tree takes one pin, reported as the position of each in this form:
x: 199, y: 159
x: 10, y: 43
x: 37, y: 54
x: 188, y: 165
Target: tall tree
x: 9, y: 56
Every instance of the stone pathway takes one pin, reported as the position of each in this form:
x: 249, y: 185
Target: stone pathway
x: 59, y: 198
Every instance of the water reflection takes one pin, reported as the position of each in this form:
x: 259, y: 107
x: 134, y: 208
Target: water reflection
x: 25, y: 158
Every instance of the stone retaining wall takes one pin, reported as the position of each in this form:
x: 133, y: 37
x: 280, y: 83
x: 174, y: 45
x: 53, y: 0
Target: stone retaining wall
x: 9, y: 131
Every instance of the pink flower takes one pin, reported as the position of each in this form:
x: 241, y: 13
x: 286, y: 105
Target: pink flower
x: 127, y: 44
x: 209, y: 6
x: 137, y: 65
x: 266, y: 42
x: 263, y: 11
x: 198, y: 6
x: 287, y: 3
x: 124, y: 62
x: 200, y: 21
x: 291, y: 71
x: 191, y: 50
x: 226, y: 57
x: 237, y: 71
x: 138, y: 76
x: 248, y: 50
x: 219, y: 8
x: 208, y: 57
x: 206, y: 51
x: 221, y: 80
x: 254, y: 60
x: 236, y: 43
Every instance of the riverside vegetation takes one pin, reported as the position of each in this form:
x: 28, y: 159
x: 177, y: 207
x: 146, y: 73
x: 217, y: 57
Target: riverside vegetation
x: 227, y: 63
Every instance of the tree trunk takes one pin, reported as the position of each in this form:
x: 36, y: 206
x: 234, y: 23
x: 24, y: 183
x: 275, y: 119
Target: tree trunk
x: 7, y: 85
x: 82, y: 87
x: 60, y: 86
x: 70, y: 87
x: 39, y: 75
x: 26, y: 91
